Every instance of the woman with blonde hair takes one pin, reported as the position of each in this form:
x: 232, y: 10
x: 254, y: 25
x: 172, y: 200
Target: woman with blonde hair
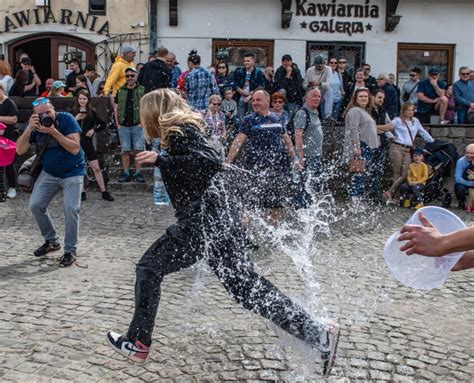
x: 405, y: 129
x: 208, y: 226
x: 215, y: 120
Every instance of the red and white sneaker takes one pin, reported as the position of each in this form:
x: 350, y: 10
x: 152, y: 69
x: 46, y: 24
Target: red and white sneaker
x: 133, y: 350
x: 328, y: 341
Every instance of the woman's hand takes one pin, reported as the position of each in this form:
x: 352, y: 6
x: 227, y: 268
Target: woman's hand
x: 90, y: 133
x: 146, y: 157
x: 80, y: 116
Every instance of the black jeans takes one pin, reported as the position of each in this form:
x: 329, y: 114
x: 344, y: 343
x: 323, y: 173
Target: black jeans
x: 461, y: 192
x: 214, y: 233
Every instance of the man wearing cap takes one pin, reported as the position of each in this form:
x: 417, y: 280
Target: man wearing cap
x: 431, y: 95
x: 33, y: 81
x: 288, y: 80
x: 127, y: 119
x: 463, y: 90
x: 62, y: 168
x: 116, y: 78
x: 319, y: 75
x: 199, y: 84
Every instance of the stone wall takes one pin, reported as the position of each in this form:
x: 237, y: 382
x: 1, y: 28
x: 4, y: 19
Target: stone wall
x: 459, y: 135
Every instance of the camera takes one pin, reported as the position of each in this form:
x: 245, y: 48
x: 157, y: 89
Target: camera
x: 46, y: 120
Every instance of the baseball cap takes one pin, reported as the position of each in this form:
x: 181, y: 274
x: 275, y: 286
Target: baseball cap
x: 286, y: 57
x: 318, y: 60
x: 128, y: 49
x: 131, y: 69
x: 434, y: 71
x: 58, y: 84
x: 26, y: 61
x: 418, y: 150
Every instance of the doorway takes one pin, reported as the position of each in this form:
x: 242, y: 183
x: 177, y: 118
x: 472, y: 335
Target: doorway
x: 50, y: 54
x: 354, y: 53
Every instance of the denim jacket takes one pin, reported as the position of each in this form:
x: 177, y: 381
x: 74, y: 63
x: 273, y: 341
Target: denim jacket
x: 257, y: 79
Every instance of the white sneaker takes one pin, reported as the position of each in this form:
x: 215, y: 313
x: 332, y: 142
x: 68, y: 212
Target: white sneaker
x: 328, y: 341
x: 11, y: 193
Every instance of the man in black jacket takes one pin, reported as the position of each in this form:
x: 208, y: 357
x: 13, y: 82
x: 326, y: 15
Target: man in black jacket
x: 156, y: 74
x: 288, y: 78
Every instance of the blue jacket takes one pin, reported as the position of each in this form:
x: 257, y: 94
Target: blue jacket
x: 461, y: 167
x: 463, y: 93
x: 257, y: 79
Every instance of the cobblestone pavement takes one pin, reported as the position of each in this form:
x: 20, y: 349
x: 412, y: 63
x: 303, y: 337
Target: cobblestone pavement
x: 53, y: 321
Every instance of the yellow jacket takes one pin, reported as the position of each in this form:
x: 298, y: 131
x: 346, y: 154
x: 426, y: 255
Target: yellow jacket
x: 116, y: 77
x: 417, y: 173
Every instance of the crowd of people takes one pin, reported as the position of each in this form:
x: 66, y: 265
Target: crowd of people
x: 272, y: 124
x: 280, y: 116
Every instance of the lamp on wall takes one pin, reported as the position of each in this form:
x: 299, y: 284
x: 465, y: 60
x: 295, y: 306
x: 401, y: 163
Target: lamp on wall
x: 392, y: 22
x: 286, y: 13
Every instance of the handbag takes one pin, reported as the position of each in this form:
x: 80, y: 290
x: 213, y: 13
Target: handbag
x: 7, y: 151
x: 406, y: 95
x: 31, y: 169
x: 357, y: 165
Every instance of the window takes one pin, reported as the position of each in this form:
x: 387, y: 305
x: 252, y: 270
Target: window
x: 232, y: 52
x: 354, y: 53
x: 97, y: 7
x: 424, y: 56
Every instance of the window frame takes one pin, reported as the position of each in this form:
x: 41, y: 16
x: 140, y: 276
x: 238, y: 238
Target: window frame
x: 99, y: 12
x: 430, y: 47
x: 267, y: 45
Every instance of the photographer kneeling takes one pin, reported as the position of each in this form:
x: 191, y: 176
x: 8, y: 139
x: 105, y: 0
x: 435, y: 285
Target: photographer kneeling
x: 63, y: 167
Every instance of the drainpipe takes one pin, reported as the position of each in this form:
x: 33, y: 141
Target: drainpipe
x: 153, y: 24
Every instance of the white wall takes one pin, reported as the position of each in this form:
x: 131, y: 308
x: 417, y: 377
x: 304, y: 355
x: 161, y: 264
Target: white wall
x: 427, y: 21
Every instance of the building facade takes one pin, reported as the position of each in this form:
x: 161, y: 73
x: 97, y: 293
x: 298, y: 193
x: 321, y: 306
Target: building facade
x: 391, y: 35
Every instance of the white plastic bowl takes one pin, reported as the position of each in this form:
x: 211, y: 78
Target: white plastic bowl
x: 422, y: 272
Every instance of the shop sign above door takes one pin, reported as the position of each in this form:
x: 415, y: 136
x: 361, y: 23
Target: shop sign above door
x: 39, y: 16
x: 330, y: 12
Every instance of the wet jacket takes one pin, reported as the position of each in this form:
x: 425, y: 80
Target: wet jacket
x: 187, y: 167
x: 155, y: 75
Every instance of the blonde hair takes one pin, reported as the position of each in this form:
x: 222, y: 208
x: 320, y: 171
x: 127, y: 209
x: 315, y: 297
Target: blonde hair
x: 405, y: 107
x: 163, y: 112
x: 214, y: 97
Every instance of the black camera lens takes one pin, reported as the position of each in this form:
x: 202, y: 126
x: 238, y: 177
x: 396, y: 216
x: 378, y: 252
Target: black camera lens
x: 46, y: 120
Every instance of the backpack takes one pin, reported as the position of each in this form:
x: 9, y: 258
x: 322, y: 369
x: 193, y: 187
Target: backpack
x: 290, y: 127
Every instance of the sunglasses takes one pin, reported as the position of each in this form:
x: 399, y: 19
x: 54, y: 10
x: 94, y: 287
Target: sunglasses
x: 216, y: 103
x: 41, y: 101
x: 129, y: 75
x: 412, y: 74
x: 465, y: 74
x: 222, y: 67
x: 332, y: 62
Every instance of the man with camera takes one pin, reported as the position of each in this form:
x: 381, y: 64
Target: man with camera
x: 62, y: 167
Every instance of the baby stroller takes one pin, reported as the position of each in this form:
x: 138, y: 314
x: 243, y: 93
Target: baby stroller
x: 439, y: 156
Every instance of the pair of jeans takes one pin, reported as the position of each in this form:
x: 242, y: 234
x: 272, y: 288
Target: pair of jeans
x: 376, y: 172
x: 311, y: 182
x: 242, y: 109
x: 416, y: 189
x: 46, y: 187
x: 361, y: 183
x: 461, y: 115
x: 213, y: 231
x: 336, y: 109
